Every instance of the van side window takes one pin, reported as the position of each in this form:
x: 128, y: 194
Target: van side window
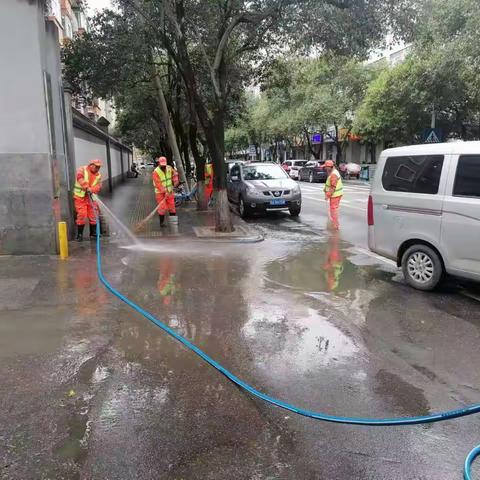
x: 414, y: 174
x: 467, y: 179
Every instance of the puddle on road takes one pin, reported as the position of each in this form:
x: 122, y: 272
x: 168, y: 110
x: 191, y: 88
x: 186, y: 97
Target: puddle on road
x: 317, y: 268
x: 296, y: 339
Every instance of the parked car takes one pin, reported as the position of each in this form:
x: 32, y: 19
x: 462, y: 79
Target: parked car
x: 424, y: 211
x: 313, y: 171
x: 231, y: 163
x: 353, y: 170
x: 263, y: 187
x: 293, y: 166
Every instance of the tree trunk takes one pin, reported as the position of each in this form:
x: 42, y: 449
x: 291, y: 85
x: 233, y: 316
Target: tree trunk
x: 223, y: 218
x: 172, y: 139
x: 213, y: 127
x: 202, y: 204
x: 339, y: 158
x: 316, y: 154
x: 199, y: 165
x: 338, y: 144
x: 214, y: 133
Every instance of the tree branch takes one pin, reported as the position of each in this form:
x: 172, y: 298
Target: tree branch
x: 254, y: 18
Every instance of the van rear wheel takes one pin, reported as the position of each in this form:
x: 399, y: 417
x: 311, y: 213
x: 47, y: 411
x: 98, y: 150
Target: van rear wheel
x: 422, y: 267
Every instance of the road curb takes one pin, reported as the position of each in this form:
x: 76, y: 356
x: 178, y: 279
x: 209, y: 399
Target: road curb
x: 241, y: 234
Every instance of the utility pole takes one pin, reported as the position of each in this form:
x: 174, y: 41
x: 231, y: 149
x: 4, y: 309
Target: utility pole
x: 434, y: 117
x: 172, y: 139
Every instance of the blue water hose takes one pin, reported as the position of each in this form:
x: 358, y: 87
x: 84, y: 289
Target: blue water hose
x: 374, y: 422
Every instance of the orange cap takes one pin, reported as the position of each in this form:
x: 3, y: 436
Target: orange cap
x: 96, y: 162
x: 329, y: 164
x: 162, y: 161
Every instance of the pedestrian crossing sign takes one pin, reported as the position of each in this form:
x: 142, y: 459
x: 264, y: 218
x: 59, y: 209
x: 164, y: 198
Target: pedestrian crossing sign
x: 432, y: 135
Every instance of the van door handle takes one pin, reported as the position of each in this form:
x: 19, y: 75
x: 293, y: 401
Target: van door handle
x: 385, y: 207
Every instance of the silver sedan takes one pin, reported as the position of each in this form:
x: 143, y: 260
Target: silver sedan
x: 263, y: 187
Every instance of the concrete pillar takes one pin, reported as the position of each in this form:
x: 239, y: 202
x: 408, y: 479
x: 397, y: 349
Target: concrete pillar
x: 70, y: 169
x: 31, y: 140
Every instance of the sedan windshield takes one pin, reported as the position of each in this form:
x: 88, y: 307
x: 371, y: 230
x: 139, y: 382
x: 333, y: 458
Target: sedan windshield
x: 263, y: 172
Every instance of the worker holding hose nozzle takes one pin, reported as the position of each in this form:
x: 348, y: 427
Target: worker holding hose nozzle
x: 165, y: 178
x: 88, y: 184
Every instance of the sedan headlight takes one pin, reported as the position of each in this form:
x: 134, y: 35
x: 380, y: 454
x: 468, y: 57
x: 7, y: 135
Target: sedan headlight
x: 254, y: 192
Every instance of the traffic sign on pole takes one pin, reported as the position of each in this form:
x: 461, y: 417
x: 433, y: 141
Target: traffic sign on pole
x: 432, y: 135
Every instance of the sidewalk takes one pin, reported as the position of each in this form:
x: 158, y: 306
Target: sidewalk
x: 135, y: 200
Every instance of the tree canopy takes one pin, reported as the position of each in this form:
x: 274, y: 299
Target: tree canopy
x: 301, y: 97
x: 219, y: 47
x: 441, y: 75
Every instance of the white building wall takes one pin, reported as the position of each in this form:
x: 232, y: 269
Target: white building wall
x: 89, y: 147
x: 116, y: 162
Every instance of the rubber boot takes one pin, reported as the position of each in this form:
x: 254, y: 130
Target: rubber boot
x: 79, y: 237
x: 93, y: 232
x: 162, y: 220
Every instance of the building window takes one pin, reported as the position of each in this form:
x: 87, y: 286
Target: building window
x: 67, y: 27
x: 415, y: 174
x: 467, y: 179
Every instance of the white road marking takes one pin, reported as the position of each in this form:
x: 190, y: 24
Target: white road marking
x: 354, y: 191
x: 364, y: 251
x: 344, y: 203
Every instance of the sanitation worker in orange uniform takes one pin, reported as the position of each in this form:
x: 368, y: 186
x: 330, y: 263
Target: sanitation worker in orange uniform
x: 333, y: 192
x: 164, y: 179
x: 208, y: 181
x: 88, y: 181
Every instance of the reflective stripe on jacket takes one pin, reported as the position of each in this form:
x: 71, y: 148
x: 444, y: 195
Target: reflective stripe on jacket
x: 166, y: 179
x: 79, y: 190
x: 338, y: 188
x: 208, y: 174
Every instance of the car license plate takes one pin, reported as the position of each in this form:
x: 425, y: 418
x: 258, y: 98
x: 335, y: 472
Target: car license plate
x: 277, y: 201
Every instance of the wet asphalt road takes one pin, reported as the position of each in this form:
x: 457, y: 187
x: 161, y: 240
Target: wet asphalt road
x: 91, y: 390
x: 353, y: 210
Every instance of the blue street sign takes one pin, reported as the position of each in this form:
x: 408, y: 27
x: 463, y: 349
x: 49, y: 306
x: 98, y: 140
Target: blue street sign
x: 317, y: 138
x: 432, y: 135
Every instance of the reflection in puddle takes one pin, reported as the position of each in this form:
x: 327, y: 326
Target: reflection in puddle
x: 302, y: 343
x: 315, y: 268
x: 320, y: 270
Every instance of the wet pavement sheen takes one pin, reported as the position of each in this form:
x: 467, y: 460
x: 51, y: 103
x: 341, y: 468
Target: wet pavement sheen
x: 91, y: 390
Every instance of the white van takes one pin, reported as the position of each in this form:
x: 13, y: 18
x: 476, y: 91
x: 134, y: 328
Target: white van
x: 424, y: 211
